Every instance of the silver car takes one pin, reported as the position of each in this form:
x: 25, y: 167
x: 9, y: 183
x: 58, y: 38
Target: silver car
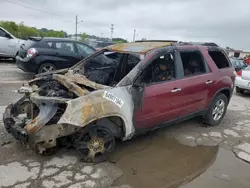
x: 242, y: 81
x: 9, y: 44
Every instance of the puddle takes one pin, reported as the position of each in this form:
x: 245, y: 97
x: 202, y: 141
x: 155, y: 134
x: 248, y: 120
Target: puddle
x: 227, y: 171
x: 154, y: 160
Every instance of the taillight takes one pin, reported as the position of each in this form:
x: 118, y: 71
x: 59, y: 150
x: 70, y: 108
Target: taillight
x: 32, y: 52
x: 239, y: 73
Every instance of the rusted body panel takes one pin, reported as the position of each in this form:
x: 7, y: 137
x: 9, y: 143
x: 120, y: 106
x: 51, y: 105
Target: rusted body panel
x: 100, y: 104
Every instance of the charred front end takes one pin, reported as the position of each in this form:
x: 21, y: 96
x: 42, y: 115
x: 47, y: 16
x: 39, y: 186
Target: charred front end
x: 33, y: 119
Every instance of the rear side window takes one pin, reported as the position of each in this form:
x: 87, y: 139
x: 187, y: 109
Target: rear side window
x: 219, y: 59
x: 193, y: 63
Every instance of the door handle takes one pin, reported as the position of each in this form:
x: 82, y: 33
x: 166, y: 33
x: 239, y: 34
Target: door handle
x: 176, y: 90
x: 209, y: 82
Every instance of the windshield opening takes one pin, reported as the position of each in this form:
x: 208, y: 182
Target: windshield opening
x: 107, y: 67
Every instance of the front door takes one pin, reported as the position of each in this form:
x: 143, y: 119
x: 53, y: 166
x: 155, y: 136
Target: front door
x: 162, y: 90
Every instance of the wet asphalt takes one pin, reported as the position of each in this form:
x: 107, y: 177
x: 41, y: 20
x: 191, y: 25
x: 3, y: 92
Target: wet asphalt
x: 187, y: 155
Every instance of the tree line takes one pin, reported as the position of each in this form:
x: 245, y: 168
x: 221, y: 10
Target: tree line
x: 22, y: 31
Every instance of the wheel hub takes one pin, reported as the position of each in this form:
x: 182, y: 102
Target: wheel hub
x: 94, y: 144
x: 97, y: 145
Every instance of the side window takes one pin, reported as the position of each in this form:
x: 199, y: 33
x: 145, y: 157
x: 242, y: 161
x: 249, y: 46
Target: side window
x: 50, y: 44
x: 219, y: 59
x: 65, y: 46
x: 44, y: 44
x: 193, y: 63
x: 2, y: 33
x: 160, y: 69
x: 81, y: 48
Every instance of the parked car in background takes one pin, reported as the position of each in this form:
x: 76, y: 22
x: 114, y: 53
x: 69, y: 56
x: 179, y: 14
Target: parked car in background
x: 99, y: 99
x: 9, y: 44
x: 100, y: 44
x: 40, y: 55
x: 238, y: 64
x: 242, y: 81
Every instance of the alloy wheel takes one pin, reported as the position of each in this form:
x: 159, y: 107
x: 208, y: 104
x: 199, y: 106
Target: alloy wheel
x: 218, y: 110
x: 94, y: 144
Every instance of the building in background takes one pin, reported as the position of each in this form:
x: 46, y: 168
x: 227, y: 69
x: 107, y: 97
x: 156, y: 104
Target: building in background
x: 236, y: 53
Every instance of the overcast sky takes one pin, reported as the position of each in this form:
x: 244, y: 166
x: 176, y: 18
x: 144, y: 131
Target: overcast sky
x: 226, y: 22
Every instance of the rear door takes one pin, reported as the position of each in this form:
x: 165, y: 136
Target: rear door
x: 196, y: 82
x: 66, y: 53
x: 162, y: 97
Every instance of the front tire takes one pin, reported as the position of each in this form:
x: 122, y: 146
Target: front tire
x: 217, y: 110
x: 94, y: 143
x: 239, y: 90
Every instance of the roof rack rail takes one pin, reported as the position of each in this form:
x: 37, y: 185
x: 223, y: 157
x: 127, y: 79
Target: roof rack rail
x: 200, y: 43
x: 157, y: 41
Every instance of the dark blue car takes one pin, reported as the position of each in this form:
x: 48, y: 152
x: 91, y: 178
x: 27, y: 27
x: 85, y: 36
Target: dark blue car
x: 40, y: 55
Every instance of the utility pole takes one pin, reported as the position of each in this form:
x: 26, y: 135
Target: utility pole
x: 76, y: 25
x: 77, y: 22
x: 112, y: 30
x: 134, y: 35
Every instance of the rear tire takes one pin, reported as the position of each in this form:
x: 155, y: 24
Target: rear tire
x: 46, y: 67
x: 217, y: 110
x: 239, y: 90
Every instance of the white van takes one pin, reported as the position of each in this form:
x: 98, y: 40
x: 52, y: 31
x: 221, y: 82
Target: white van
x: 9, y: 44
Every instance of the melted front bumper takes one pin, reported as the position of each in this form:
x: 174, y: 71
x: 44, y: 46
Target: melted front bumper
x: 12, y: 126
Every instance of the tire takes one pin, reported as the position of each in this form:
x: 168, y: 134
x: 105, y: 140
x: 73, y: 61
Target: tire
x: 14, y: 58
x: 211, y: 118
x: 46, y: 66
x: 94, y: 143
x: 239, y: 90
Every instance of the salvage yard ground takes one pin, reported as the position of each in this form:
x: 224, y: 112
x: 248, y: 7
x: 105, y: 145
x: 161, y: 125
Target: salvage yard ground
x: 167, y: 158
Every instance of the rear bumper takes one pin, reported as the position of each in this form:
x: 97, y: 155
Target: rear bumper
x: 241, y: 83
x: 26, y: 64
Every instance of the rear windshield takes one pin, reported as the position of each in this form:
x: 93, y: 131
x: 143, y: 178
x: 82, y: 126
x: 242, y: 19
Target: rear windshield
x: 38, y: 44
x: 29, y: 44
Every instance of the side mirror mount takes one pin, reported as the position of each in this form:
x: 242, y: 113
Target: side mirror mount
x: 138, y: 84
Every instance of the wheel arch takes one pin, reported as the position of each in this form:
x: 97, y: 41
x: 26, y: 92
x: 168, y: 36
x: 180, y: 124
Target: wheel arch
x: 115, y: 124
x: 226, y: 91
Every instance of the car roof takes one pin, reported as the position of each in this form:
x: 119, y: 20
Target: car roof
x: 138, y: 47
x: 142, y: 47
x: 51, y: 39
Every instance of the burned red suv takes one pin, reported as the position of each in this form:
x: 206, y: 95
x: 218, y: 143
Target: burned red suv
x: 138, y: 87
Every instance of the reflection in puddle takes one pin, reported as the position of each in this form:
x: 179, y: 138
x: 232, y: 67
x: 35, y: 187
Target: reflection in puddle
x: 156, y: 161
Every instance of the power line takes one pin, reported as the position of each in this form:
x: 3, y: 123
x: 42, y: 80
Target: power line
x: 43, y: 11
